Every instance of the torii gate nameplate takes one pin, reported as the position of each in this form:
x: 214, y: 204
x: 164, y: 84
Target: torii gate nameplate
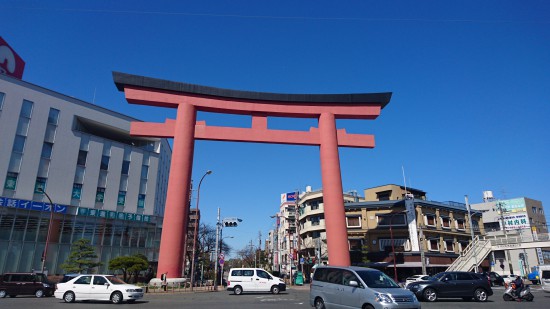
x: 188, y: 99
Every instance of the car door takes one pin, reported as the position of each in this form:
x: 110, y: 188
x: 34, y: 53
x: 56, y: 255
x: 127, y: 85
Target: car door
x: 100, y: 288
x: 262, y: 281
x: 81, y: 287
x: 447, y: 286
x: 333, y: 291
x: 248, y: 280
x: 351, y: 296
x: 465, y: 284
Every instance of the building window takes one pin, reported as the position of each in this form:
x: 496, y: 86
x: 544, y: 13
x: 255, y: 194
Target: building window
x: 446, y: 222
x: 541, y: 211
x: 77, y: 191
x: 141, y: 201
x: 383, y: 196
x: 314, y: 205
x: 393, y: 219
x: 104, y: 163
x: 460, y: 224
x: 355, y: 244
x: 315, y: 234
x: 434, y: 244
x: 19, y: 143
x: 40, y: 185
x: 53, y: 116
x: 100, y: 195
x: 315, y: 220
x: 47, y: 150
x: 353, y: 221
x: 11, y: 181
x: 449, y: 245
x: 82, y: 156
x: 534, y: 210
x: 2, y: 96
x: 26, y: 109
x: 429, y: 220
x: 144, y: 171
x: 121, y: 198
x: 125, y: 167
x: 399, y: 244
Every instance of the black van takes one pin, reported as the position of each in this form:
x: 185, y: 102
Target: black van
x: 36, y: 284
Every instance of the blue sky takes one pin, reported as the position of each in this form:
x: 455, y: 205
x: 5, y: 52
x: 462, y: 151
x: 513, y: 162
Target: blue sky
x: 470, y: 83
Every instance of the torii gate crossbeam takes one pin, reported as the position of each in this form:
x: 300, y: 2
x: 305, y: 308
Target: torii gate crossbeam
x: 188, y: 99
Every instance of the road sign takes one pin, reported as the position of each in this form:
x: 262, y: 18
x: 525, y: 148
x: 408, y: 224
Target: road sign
x: 221, y: 262
x: 222, y: 256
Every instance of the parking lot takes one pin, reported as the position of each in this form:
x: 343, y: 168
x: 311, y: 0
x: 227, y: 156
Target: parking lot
x: 294, y: 297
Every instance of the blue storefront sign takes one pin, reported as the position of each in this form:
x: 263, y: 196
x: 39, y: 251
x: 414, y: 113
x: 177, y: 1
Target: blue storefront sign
x: 32, y: 205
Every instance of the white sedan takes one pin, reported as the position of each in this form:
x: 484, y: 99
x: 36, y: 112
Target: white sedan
x: 416, y: 278
x: 98, y: 287
x: 509, y: 278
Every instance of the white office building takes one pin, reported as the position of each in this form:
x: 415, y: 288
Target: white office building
x: 106, y: 186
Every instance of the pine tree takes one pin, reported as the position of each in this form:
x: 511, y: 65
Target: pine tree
x: 82, y: 257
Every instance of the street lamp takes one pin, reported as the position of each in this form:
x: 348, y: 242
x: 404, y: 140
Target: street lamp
x: 49, y: 229
x: 196, y: 230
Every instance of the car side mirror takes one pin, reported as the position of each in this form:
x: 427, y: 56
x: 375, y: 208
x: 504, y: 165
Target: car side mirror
x: 106, y: 284
x: 353, y: 283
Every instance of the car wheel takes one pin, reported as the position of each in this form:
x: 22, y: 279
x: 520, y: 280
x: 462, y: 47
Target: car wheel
x: 430, y: 295
x: 3, y: 293
x: 68, y: 297
x: 116, y: 298
x: 238, y: 290
x: 319, y: 303
x: 480, y: 295
x: 275, y: 289
x: 39, y: 293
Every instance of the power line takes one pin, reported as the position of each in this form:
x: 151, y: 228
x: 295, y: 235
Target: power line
x: 328, y: 18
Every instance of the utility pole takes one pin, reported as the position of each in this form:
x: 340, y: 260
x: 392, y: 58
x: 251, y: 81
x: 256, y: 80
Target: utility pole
x: 218, y: 227
x: 471, y: 232
x: 259, y: 248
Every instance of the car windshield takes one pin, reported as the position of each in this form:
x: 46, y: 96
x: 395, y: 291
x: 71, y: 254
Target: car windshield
x: 377, y: 279
x: 114, y: 280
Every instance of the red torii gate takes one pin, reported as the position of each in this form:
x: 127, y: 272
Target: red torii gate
x: 185, y: 129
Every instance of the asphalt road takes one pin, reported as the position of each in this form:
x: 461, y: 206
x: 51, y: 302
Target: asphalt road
x: 294, y: 297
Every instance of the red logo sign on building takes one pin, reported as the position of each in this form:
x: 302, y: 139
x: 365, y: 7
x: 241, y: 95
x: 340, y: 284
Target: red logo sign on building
x: 10, y: 62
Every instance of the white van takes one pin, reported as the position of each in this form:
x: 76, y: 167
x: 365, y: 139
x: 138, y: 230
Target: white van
x: 544, y: 274
x: 253, y: 280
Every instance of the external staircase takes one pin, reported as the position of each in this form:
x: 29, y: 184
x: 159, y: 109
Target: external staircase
x: 472, y: 255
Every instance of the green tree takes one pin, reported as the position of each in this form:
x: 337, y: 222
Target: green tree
x: 365, y: 252
x: 129, y: 265
x: 81, y: 258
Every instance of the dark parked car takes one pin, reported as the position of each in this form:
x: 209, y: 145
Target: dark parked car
x: 456, y: 284
x: 494, y: 278
x: 14, y: 284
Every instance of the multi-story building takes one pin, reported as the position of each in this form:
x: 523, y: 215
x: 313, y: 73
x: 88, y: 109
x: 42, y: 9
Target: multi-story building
x: 106, y: 186
x: 521, y: 218
x: 397, y: 225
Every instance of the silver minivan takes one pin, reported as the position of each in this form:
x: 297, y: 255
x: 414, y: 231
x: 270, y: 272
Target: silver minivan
x: 357, y: 287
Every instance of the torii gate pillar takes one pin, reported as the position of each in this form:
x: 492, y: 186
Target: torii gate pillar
x: 188, y: 99
x: 333, y: 197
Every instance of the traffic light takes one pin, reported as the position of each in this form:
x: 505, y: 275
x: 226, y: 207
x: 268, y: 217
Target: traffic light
x: 231, y: 222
